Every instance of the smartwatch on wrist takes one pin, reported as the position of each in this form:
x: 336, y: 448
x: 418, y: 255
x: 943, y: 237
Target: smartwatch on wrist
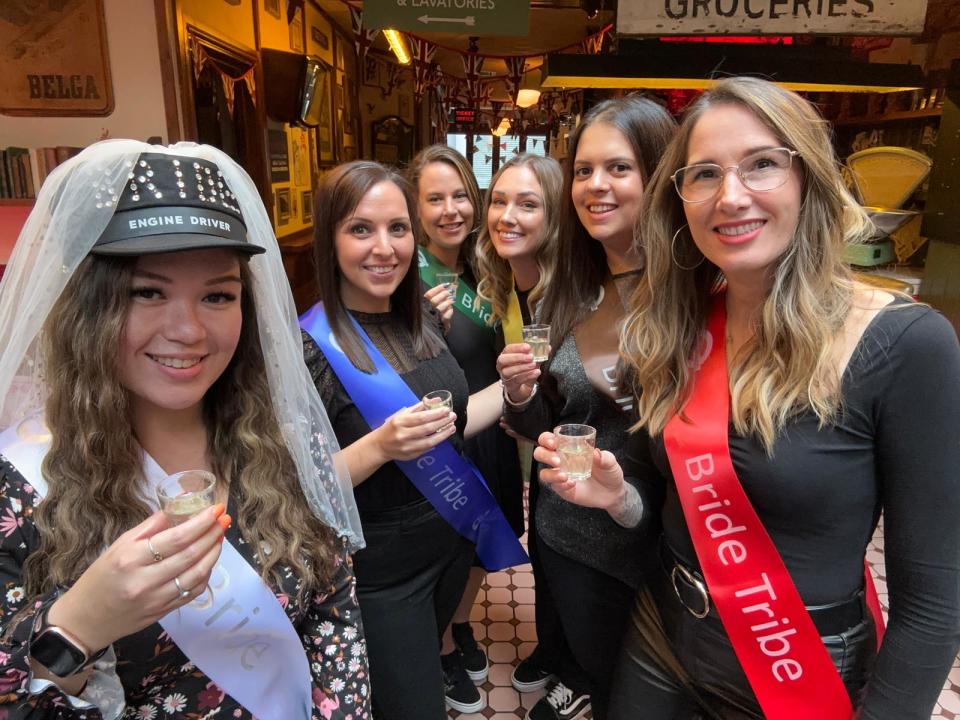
x: 58, y: 650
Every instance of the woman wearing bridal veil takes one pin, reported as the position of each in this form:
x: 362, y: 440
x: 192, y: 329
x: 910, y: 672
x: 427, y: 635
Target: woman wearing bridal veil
x: 148, y: 329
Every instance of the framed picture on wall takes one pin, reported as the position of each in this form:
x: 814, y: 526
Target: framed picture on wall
x: 284, y: 207
x: 325, y: 128
x: 319, y: 37
x: 272, y: 7
x: 349, y: 89
x: 279, y: 154
x: 339, y: 54
x: 43, y: 74
x: 306, y: 206
x: 296, y: 31
x: 371, y: 71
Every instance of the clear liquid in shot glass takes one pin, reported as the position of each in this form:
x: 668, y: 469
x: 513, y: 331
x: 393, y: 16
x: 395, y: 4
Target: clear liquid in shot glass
x: 575, y: 444
x: 184, y: 495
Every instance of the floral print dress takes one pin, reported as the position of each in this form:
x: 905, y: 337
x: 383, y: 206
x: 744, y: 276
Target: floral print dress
x: 159, y: 681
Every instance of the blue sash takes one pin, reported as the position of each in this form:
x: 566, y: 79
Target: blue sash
x: 447, y: 479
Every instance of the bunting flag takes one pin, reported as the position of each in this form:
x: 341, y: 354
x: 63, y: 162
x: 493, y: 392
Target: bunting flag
x: 495, y: 106
x: 472, y: 65
x: 362, y: 38
x: 202, y: 60
x: 422, y: 53
x: 514, y: 77
x: 592, y: 44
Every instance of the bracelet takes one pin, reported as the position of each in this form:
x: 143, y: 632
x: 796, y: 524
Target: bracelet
x: 518, y: 405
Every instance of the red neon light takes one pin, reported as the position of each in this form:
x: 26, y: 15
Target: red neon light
x: 733, y: 39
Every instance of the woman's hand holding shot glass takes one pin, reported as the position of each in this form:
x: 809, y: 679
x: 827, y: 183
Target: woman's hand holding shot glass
x: 409, y: 433
x: 442, y: 300
x: 518, y: 371
x: 145, y: 574
x: 604, y: 488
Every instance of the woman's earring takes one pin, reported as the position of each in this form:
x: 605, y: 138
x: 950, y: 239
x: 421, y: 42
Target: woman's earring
x: 673, y: 253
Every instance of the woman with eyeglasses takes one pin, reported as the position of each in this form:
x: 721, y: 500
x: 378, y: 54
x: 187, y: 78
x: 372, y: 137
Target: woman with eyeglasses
x: 789, y: 407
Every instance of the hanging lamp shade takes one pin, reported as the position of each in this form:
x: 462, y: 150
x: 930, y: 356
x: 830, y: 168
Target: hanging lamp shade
x: 529, y: 93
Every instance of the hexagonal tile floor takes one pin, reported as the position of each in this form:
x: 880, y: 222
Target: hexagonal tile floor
x: 502, y: 621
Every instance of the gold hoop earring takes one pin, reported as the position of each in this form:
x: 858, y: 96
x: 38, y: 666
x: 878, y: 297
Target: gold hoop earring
x: 673, y: 254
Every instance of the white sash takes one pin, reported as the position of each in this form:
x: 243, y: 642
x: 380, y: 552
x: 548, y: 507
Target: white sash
x: 241, y: 638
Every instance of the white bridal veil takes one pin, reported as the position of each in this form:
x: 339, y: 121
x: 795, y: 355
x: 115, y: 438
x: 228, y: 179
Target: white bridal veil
x: 74, y: 206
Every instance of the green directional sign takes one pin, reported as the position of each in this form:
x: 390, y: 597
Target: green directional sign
x: 467, y: 17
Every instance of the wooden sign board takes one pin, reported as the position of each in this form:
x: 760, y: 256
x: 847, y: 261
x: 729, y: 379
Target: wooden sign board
x: 771, y: 17
x: 54, y: 59
x: 470, y: 17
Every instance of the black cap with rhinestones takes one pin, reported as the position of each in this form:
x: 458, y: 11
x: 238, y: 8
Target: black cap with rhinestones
x: 170, y: 203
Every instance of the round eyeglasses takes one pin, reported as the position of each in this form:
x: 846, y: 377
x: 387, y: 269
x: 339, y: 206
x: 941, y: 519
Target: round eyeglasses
x: 761, y: 171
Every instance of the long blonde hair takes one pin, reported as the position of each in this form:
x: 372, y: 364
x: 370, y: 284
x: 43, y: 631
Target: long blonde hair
x: 94, y: 465
x: 495, y: 276
x: 787, y: 367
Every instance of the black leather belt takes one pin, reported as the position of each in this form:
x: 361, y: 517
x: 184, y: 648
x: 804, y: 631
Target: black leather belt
x: 691, y: 590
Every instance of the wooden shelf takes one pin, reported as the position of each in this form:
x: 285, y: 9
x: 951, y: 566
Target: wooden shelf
x: 889, y: 117
x: 17, y: 202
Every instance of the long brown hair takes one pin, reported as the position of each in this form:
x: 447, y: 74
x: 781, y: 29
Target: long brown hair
x: 94, y: 465
x: 496, y: 277
x: 787, y: 366
x: 449, y: 156
x: 340, y: 191
x: 582, y: 262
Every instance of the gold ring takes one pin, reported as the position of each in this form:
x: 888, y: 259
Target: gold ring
x: 157, y: 557
x: 183, y: 593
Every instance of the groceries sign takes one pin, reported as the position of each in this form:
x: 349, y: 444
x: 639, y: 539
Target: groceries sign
x: 771, y: 17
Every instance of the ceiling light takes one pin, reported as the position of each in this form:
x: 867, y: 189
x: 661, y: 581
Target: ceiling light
x: 398, y: 43
x: 529, y: 93
x: 501, y: 129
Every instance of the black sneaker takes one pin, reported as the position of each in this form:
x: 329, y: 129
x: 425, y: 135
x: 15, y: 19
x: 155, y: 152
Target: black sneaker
x: 474, y: 658
x: 462, y: 695
x: 530, y: 674
x: 560, y: 703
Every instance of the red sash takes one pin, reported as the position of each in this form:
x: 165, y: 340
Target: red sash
x: 772, y: 634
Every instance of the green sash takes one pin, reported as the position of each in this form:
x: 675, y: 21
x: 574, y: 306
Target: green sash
x: 465, y: 299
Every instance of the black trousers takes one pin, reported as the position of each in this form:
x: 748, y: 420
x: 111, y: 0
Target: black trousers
x: 410, y: 578
x: 593, y: 609
x: 715, y: 686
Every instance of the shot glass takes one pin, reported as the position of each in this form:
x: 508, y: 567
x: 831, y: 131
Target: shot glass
x: 438, y: 399
x: 538, y: 338
x: 449, y: 281
x: 575, y: 444
x: 185, y: 494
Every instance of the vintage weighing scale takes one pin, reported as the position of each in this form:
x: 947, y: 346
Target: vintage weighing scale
x: 885, y: 178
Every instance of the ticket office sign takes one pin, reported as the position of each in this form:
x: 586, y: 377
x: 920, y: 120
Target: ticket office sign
x: 469, y: 17
x: 770, y: 17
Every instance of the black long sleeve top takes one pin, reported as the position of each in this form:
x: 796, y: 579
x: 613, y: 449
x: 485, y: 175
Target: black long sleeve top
x: 388, y: 487
x: 895, y: 449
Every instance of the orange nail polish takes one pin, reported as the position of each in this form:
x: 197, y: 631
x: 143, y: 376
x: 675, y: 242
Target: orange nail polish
x: 218, y: 510
x: 225, y: 521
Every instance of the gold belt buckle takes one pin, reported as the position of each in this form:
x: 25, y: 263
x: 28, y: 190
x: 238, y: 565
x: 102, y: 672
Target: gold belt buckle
x: 691, y: 579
